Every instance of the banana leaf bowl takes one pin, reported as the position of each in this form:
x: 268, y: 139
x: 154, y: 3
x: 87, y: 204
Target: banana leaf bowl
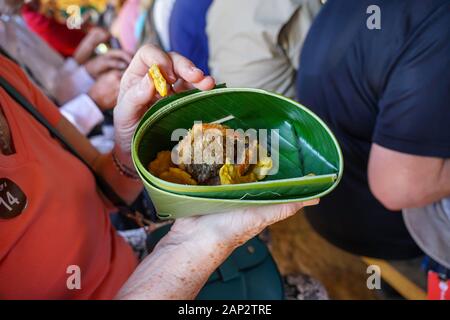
x: 310, y: 160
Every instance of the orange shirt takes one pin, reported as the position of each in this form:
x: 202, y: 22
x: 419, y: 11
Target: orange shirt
x: 65, y: 222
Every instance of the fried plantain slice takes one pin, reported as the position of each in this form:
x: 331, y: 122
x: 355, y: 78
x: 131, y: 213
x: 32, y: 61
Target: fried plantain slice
x: 176, y: 175
x: 158, y: 79
x: 162, y: 163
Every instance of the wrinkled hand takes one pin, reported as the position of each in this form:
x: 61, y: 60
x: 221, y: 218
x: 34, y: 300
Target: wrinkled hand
x: 106, y: 90
x: 137, y: 91
x: 86, y: 48
x: 232, y: 229
x: 112, y: 60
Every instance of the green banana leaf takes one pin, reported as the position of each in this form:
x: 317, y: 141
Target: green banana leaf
x: 174, y: 206
x: 165, y: 101
x: 307, y: 146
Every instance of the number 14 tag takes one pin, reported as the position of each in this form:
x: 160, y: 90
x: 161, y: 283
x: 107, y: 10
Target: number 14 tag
x: 12, y: 199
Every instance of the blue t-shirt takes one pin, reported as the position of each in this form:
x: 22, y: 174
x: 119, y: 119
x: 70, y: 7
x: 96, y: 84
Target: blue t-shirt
x: 187, y: 30
x: 389, y: 86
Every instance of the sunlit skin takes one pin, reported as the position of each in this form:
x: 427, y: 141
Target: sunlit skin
x: 400, y: 181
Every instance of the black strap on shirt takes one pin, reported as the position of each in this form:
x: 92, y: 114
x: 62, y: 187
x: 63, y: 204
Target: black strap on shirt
x: 141, y: 211
x: 23, y: 66
x: 22, y: 101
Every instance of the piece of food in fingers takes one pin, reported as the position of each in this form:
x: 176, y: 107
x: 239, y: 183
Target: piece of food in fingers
x: 160, y: 82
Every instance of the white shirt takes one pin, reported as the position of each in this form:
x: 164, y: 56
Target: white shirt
x: 63, y: 80
x: 162, y: 10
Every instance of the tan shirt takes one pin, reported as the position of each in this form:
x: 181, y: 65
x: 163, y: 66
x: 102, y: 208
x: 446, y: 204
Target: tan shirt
x: 257, y: 43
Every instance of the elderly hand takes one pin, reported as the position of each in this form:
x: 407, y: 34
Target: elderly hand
x: 137, y: 91
x: 112, y: 60
x: 232, y: 229
x: 105, y: 90
x: 184, y: 259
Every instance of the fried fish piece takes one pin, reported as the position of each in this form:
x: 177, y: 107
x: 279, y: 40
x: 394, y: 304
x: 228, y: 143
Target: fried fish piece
x: 207, y: 147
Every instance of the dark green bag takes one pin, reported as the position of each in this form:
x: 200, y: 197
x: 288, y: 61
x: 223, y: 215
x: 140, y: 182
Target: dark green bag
x: 249, y: 273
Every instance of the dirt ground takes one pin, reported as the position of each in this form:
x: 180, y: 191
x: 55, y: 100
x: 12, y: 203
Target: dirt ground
x: 298, y: 248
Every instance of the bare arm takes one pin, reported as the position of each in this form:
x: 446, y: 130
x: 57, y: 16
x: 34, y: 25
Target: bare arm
x: 184, y: 259
x: 177, y: 269
x: 401, y: 181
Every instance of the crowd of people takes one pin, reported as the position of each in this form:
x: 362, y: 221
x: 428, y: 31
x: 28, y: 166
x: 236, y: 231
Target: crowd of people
x: 384, y: 92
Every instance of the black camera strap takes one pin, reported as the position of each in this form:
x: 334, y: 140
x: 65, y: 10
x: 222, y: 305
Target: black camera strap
x: 138, y: 212
x: 106, y: 189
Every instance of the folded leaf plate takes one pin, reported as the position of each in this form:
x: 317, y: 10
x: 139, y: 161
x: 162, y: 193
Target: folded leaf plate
x: 310, y: 162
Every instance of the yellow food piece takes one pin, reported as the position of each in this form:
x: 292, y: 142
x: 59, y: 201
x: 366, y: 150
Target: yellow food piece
x: 160, y: 83
x: 163, y: 168
x: 176, y: 175
x: 161, y: 164
x: 100, y: 5
x: 263, y: 167
x: 230, y: 174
